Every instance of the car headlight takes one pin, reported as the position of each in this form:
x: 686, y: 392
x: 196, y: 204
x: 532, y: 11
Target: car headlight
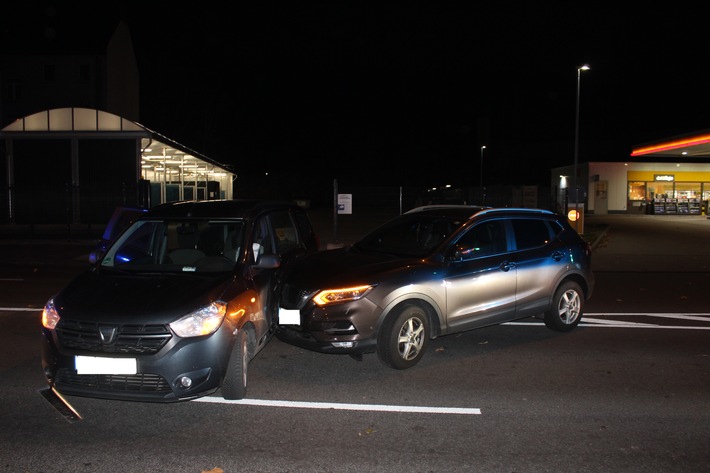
x: 345, y: 294
x: 203, y: 321
x: 50, y: 316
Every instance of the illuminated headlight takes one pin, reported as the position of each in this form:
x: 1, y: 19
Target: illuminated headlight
x: 50, y: 317
x: 334, y: 296
x: 203, y: 321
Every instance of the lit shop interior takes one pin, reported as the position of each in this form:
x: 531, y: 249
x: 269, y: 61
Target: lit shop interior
x: 668, y: 177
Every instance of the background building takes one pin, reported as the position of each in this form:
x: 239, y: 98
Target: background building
x: 669, y: 176
x: 71, y: 145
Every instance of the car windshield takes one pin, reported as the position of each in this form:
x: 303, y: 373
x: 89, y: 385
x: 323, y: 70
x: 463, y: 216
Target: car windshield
x: 177, y: 246
x: 411, y: 235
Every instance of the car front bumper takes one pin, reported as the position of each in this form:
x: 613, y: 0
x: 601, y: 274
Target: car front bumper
x: 184, y: 369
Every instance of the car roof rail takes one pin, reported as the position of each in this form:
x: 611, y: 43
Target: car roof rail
x: 515, y: 209
x: 423, y: 208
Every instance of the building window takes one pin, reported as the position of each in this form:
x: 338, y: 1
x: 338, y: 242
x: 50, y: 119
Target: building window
x: 706, y: 192
x: 687, y: 190
x: 637, y: 191
x: 660, y: 190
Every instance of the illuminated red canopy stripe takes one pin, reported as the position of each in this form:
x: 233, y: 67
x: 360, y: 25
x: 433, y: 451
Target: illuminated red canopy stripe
x: 686, y: 142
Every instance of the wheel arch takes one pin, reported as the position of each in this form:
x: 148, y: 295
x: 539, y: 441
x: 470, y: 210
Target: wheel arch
x: 576, y: 278
x: 250, y: 330
x: 430, y: 308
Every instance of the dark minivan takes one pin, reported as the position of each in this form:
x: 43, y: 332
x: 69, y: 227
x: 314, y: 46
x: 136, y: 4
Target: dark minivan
x: 177, y: 306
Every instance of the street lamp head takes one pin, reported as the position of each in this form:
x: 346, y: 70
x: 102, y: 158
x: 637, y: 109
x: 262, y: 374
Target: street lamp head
x: 584, y: 68
x: 483, y: 147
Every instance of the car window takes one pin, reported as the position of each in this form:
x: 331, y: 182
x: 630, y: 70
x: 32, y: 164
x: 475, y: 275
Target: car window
x: 177, y: 245
x: 556, y: 228
x: 261, y: 240
x: 530, y: 233
x: 484, y: 239
x: 305, y: 229
x: 410, y: 235
x: 285, y: 232
x: 121, y: 218
x: 220, y: 238
x: 138, y: 246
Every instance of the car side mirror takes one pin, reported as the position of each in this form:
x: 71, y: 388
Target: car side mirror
x: 95, y: 256
x: 267, y: 262
x: 454, y: 257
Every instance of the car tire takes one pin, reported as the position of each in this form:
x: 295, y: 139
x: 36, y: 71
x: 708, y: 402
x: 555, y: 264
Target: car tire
x: 234, y: 385
x: 403, y: 337
x: 567, y: 307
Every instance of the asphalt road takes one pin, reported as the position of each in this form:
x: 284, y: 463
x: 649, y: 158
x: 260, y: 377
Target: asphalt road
x: 627, y: 391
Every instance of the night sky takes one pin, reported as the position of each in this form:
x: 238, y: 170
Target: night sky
x: 406, y: 93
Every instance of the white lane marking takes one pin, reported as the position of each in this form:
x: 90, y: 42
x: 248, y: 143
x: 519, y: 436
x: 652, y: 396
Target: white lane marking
x: 672, y: 315
x: 590, y: 322
x: 586, y: 322
x: 616, y: 324
x: 341, y: 406
x: 20, y: 309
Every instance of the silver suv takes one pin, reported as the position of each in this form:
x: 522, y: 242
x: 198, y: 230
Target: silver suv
x: 433, y: 271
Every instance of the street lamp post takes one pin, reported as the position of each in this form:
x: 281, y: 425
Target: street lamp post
x: 483, y: 189
x: 575, y: 188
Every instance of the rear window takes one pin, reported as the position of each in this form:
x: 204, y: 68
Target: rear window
x: 530, y: 233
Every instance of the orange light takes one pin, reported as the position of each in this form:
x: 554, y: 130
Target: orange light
x: 237, y: 314
x: 573, y: 215
x: 331, y: 296
x: 692, y: 141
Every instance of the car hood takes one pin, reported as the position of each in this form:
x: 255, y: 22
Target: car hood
x: 117, y: 297
x: 344, y: 266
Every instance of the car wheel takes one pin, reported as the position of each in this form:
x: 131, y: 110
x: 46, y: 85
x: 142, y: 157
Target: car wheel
x: 234, y: 385
x: 566, y: 310
x: 404, y: 337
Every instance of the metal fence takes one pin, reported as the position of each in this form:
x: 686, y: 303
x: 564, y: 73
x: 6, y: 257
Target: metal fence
x: 91, y: 206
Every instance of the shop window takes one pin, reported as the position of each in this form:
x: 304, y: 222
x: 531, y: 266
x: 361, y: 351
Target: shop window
x: 657, y: 190
x: 687, y: 190
x: 706, y: 191
x: 637, y: 191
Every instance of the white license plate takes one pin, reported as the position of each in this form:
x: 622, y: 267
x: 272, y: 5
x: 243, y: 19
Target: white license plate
x: 289, y: 317
x: 103, y: 365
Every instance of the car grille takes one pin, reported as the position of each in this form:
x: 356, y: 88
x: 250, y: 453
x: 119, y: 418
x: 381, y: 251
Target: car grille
x: 292, y: 297
x: 113, y: 382
x: 124, y: 339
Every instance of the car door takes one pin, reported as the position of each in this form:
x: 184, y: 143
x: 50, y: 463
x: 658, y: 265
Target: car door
x: 481, y: 282
x: 274, y: 234
x: 541, y: 259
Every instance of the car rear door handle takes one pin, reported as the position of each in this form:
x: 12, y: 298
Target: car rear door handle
x: 558, y: 255
x: 506, y: 266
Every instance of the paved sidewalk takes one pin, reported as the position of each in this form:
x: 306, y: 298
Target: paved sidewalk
x: 652, y: 243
